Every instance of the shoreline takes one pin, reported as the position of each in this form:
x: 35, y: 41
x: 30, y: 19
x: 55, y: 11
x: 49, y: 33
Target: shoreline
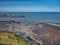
x: 53, y: 24
x: 33, y: 31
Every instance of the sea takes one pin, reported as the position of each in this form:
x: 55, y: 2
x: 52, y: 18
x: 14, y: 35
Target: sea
x: 34, y: 17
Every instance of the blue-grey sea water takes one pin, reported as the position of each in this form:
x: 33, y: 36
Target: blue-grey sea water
x: 34, y: 17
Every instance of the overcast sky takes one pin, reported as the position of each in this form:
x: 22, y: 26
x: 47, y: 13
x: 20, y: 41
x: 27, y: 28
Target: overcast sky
x: 29, y: 5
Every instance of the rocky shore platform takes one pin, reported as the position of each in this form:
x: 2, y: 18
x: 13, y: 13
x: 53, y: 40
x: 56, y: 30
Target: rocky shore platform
x: 34, y: 34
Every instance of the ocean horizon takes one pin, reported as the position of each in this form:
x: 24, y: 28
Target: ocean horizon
x: 34, y: 17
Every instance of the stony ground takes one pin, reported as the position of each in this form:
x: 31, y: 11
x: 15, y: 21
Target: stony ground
x: 34, y: 34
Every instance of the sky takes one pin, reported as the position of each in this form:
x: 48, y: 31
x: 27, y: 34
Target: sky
x: 29, y: 5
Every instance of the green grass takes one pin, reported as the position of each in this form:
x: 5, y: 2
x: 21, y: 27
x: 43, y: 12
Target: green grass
x: 7, y: 38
